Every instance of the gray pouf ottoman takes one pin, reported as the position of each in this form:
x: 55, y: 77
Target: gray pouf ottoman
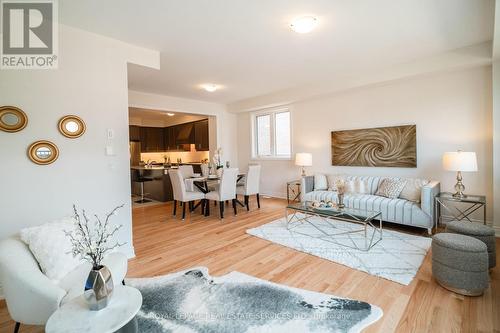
x: 482, y: 232
x: 460, y: 263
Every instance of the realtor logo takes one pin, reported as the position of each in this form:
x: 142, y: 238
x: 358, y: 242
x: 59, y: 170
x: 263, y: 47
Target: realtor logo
x: 29, y: 34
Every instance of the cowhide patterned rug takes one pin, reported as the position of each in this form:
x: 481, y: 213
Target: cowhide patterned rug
x: 193, y: 301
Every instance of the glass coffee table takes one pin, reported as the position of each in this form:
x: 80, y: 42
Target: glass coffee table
x: 326, y: 228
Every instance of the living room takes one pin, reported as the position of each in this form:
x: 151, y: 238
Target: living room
x: 283, y: 228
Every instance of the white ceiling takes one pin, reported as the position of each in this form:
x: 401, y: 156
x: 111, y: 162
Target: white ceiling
x: 247, y: 46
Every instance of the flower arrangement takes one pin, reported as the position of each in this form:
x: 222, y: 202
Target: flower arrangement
x: 93, y: 240
x: 341, y: 186
x: 217, y: 159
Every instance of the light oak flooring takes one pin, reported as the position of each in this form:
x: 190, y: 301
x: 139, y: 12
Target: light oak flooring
x: 165, y: 244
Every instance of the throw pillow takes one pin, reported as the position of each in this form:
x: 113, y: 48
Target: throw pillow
x: 320, y: 182
x: 391, y: 187
x: 52, y: 248
x: 357, y: 186
x: 333, y: 180
x: 413, y: 189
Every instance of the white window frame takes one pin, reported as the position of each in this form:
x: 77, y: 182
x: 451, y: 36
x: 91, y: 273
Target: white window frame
x: 271, y: 112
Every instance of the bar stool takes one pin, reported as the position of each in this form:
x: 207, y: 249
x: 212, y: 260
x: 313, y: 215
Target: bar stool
x: 138, y: 177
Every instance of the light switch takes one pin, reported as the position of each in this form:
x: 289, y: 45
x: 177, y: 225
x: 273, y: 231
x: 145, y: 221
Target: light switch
x: 111, y: 133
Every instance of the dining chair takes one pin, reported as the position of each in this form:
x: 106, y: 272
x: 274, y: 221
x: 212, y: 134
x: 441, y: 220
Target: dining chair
x: 183, y: 196
x: 251, y: 185
x: 187, y: 171
x: 204, y: 170
x: 225, y: 191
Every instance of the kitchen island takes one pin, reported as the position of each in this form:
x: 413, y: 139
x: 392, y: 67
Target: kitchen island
x: 160, y: 187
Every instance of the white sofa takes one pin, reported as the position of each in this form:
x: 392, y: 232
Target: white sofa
x: 402, y: 211
x: 30, y: 295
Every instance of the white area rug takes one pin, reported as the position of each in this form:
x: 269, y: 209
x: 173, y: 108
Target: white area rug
x: 397, y: 257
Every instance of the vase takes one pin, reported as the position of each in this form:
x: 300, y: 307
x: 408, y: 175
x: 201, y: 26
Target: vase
x: 340, y: 200
x: 98, y: 288
x: 219, y: 172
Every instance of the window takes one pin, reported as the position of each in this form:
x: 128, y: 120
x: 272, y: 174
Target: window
x: 272, y: 137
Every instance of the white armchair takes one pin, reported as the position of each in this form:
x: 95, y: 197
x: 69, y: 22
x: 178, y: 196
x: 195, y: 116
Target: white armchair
x: 31, y: 296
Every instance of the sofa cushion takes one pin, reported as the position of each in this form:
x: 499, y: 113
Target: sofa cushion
x: 320, y: 182
x: 393, y: 210
x: 334, y: 180
x: 391, y: 187
x: 413, y: 189
x: 51, y: 247
x: 371, y: 181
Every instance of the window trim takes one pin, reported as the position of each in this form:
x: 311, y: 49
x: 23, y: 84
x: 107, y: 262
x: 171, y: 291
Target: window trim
x: 254, y: 137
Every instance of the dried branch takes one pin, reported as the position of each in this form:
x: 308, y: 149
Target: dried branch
x: 93, y: 240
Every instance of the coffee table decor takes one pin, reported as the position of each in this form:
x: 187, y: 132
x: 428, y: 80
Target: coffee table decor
x: 194, y: 301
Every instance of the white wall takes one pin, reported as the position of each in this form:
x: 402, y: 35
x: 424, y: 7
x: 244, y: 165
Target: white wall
x: 451, y: 110
x: 225, y: 123
x: 91, y: 82
x: 496, y: 141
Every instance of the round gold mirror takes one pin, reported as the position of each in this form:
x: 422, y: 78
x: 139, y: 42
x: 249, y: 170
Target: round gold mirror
x: 71, y: 126
x: 43, y: 152
x: 12, y: 119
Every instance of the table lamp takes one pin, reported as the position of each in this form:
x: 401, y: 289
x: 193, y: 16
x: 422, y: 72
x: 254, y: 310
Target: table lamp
x: 303, y: 160
x: 460, y: 161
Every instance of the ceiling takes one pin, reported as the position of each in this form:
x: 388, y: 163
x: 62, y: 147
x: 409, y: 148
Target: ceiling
x: 247, y: 46
x: 157, y: 118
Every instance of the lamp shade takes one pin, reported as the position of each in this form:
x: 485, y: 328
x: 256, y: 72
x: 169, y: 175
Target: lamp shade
x: 460, y: 161
x: 303, y: 159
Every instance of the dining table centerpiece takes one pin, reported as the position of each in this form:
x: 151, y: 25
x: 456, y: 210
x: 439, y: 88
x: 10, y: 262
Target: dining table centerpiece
x: 217, y: 159
x: 91, y: 240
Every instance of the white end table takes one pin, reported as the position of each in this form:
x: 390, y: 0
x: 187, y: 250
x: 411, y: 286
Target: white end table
x: 75, y: 316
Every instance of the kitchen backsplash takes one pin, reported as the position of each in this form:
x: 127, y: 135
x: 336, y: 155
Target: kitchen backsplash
x: 186, y: 156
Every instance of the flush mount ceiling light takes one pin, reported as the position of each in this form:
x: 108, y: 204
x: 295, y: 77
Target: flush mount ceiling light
x: 170, y: 114
x: 210, y: 87
x: 304, y: 24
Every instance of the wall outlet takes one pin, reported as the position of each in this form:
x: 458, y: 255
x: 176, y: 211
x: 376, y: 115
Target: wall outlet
x: 109, y: 151
x: 110, y: 133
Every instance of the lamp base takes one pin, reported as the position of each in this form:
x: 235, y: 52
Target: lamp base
x: 303, y: 172
x: 459, y: 187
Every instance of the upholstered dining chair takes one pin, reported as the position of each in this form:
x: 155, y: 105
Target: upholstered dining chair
x: 226, y: 190
x: 180, y: 193
x: 187, y: 171
x: 250, y: 185
x: 204, y: 170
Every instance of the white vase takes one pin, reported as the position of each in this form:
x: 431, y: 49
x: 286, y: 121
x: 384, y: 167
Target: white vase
x: 219, y: 172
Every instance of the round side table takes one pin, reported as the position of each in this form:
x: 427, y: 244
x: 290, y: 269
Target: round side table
x: 75, y: 316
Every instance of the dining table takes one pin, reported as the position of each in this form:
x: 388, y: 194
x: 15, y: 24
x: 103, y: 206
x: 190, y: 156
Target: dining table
x: 203, y: 184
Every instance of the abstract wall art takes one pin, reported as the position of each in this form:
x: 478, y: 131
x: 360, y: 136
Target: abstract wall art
x: 376, y: 147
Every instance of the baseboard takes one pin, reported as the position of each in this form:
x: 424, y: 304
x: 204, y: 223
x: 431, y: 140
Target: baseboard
x: 129, y: 252
x: 497, y: 231
x: 277, y: 195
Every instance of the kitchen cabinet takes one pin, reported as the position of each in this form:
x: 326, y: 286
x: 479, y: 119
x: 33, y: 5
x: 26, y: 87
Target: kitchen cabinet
x: 173, y: 138
x: 201, y: 135
x: 134, y: 133
x: 170, y: 138
x: 152, y: 139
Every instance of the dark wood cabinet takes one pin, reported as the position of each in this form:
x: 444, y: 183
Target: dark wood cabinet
x: 201, y: 135
x: 152, y: 139
x: 173, y: 138
x: 134, y: 133
x: 170, y: 138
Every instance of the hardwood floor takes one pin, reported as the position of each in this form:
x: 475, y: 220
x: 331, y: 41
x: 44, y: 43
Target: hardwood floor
x: 164, y: 244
